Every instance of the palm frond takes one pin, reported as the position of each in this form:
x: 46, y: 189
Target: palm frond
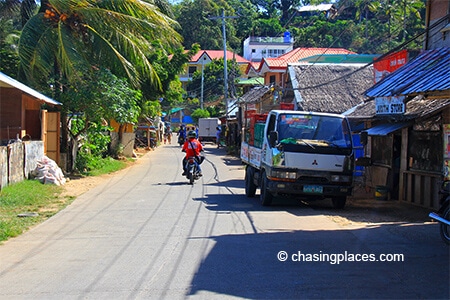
x: 36, y: 47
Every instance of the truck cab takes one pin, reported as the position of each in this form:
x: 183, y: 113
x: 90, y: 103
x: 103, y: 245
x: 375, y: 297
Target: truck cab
x: 307, y: 154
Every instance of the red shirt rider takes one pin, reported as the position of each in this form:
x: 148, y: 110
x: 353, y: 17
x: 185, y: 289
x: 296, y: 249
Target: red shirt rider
x: 192, y: 147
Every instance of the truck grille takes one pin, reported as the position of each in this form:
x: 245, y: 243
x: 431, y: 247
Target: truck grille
x: 311, y: 179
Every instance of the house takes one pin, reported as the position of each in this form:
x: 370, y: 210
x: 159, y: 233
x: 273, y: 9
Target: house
x: 408, y: 128
x: 256, y: 48
x: 407, y: 120
x: 29, y: 116
x: 273, y: 70
x: 204, y: 57
x: 329, y: 10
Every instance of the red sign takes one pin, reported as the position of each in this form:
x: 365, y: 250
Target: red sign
x: 389, y: 64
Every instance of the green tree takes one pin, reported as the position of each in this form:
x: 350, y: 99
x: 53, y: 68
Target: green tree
x: 167, y: 65
x: 197, y: 25
x: 200, y: 113
x: 68, y: 39
x: 213, y: 80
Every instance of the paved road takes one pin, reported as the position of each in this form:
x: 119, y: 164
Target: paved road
x: 146, y: 234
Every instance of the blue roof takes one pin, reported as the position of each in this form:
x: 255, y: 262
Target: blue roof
x: 428, y: 72
x: 385, y: 129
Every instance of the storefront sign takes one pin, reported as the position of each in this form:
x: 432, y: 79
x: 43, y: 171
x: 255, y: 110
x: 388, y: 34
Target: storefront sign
x: 389, y: 105
x: 389, y: 64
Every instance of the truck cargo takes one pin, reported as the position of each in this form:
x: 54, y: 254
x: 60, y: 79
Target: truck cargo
x: 207, y: 128
x: 307, y: 154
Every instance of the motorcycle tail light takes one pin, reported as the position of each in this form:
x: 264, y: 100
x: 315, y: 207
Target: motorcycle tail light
x: 191, y: 160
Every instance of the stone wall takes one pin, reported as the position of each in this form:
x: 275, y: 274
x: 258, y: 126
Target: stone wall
x: 18, y: 159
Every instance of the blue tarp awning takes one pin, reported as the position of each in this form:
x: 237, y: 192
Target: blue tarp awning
x: 385, y: 129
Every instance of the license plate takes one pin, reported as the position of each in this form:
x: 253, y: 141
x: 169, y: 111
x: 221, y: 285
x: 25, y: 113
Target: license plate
x: 313, y: 189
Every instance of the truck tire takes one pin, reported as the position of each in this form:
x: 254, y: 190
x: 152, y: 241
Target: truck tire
x: 265, y: 196
x: 339, y: 202
x: 250, y: 186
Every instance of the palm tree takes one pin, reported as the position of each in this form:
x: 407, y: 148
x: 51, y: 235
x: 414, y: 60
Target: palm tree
x: 69, y: 37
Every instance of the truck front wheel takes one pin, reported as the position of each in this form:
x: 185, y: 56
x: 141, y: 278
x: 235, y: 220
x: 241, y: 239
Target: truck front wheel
x: 265, y: 196
x: 250, y: 186
x: 339, y: 202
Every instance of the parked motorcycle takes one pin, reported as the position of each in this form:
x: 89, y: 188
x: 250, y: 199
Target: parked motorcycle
x: 443, y: 214
x: 181, y: 140
x: 192, y: 173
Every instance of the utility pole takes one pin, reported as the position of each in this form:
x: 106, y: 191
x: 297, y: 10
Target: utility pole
x: 225, y: 71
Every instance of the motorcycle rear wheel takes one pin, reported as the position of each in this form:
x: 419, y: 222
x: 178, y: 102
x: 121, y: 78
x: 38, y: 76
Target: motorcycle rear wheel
x: 191, y: 177
x: 445, y: 229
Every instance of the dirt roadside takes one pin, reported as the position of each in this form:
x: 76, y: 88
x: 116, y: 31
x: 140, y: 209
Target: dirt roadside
x: 78, y: 185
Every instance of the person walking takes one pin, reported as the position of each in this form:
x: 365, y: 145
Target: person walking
x: 218, y: 133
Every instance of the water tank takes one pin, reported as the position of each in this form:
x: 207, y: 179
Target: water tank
x: 287, y: 37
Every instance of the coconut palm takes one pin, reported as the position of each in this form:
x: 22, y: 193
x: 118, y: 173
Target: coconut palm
x: 70, y: 37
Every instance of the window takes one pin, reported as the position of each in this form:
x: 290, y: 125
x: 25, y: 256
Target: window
x: 192, y: 71
x: 272, y: 78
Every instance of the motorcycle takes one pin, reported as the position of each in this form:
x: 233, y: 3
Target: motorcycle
x: 181, y: 140
x: 443, y: 214
x: 192, y: 173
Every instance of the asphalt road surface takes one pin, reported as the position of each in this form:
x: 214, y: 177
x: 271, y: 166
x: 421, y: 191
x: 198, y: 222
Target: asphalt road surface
x: 147, y: 234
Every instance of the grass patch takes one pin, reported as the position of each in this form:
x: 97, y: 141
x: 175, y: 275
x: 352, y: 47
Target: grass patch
x: 29, y: 196
x: 105, y: 166
x: 45, y: 200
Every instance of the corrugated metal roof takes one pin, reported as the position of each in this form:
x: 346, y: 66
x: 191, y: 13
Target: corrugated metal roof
x: 320, y: 7
x: 297, y: 54
x: 6, y: 81
x: 387, y: 128
x: 428, y: 72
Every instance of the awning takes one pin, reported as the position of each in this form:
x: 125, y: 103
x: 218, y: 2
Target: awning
x: 387, y: 128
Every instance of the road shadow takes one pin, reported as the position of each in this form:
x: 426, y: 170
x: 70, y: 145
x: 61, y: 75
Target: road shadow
x: 247, y: 265
x: 241, y: 203
x: 356, y: 210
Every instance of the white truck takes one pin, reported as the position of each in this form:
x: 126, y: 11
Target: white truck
x: 307, y: 154
x: 207, y: 128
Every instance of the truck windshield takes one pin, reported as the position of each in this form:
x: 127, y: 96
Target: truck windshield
x: 316, y: 132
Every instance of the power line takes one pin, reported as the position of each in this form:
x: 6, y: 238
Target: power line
x: 225, y: 73
x: 399, y: 47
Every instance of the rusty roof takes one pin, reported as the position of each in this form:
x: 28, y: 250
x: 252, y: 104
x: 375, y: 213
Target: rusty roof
x: 428, y: 73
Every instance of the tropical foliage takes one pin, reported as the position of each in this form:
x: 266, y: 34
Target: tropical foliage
x: 120, y: 59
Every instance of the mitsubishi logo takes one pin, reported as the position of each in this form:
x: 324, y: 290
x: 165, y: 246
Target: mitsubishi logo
x: 315, y: 163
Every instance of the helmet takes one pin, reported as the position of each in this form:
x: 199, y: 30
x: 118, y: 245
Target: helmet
x: 192, y: 134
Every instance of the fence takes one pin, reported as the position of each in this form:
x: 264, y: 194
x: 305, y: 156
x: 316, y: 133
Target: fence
x: 17, y: 160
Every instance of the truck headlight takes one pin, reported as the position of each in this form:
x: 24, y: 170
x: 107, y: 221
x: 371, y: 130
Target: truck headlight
x: 340, y: 178
x: 285, y: 175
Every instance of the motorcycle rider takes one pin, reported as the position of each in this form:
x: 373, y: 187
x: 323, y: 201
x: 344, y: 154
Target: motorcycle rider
x: 192, y: 147
x: 181, y: 134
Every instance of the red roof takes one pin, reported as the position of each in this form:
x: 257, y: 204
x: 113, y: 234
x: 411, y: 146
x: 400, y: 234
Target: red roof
x: 295, y: 55
x: 217, y: 54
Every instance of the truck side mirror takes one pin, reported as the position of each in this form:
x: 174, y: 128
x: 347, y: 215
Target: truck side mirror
x: 273, y: 138
x: 363, y: 137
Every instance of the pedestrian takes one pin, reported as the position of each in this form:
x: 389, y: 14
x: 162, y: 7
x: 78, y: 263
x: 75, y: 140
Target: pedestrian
x: 218, y: 133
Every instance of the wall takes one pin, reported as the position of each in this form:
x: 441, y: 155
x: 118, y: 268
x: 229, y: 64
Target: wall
x: 17, y: 160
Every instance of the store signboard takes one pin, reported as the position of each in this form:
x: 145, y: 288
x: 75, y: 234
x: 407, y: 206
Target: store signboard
x: 390, y: 105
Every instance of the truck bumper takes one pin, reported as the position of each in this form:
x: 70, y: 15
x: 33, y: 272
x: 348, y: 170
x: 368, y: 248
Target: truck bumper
x: 309, y: 190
